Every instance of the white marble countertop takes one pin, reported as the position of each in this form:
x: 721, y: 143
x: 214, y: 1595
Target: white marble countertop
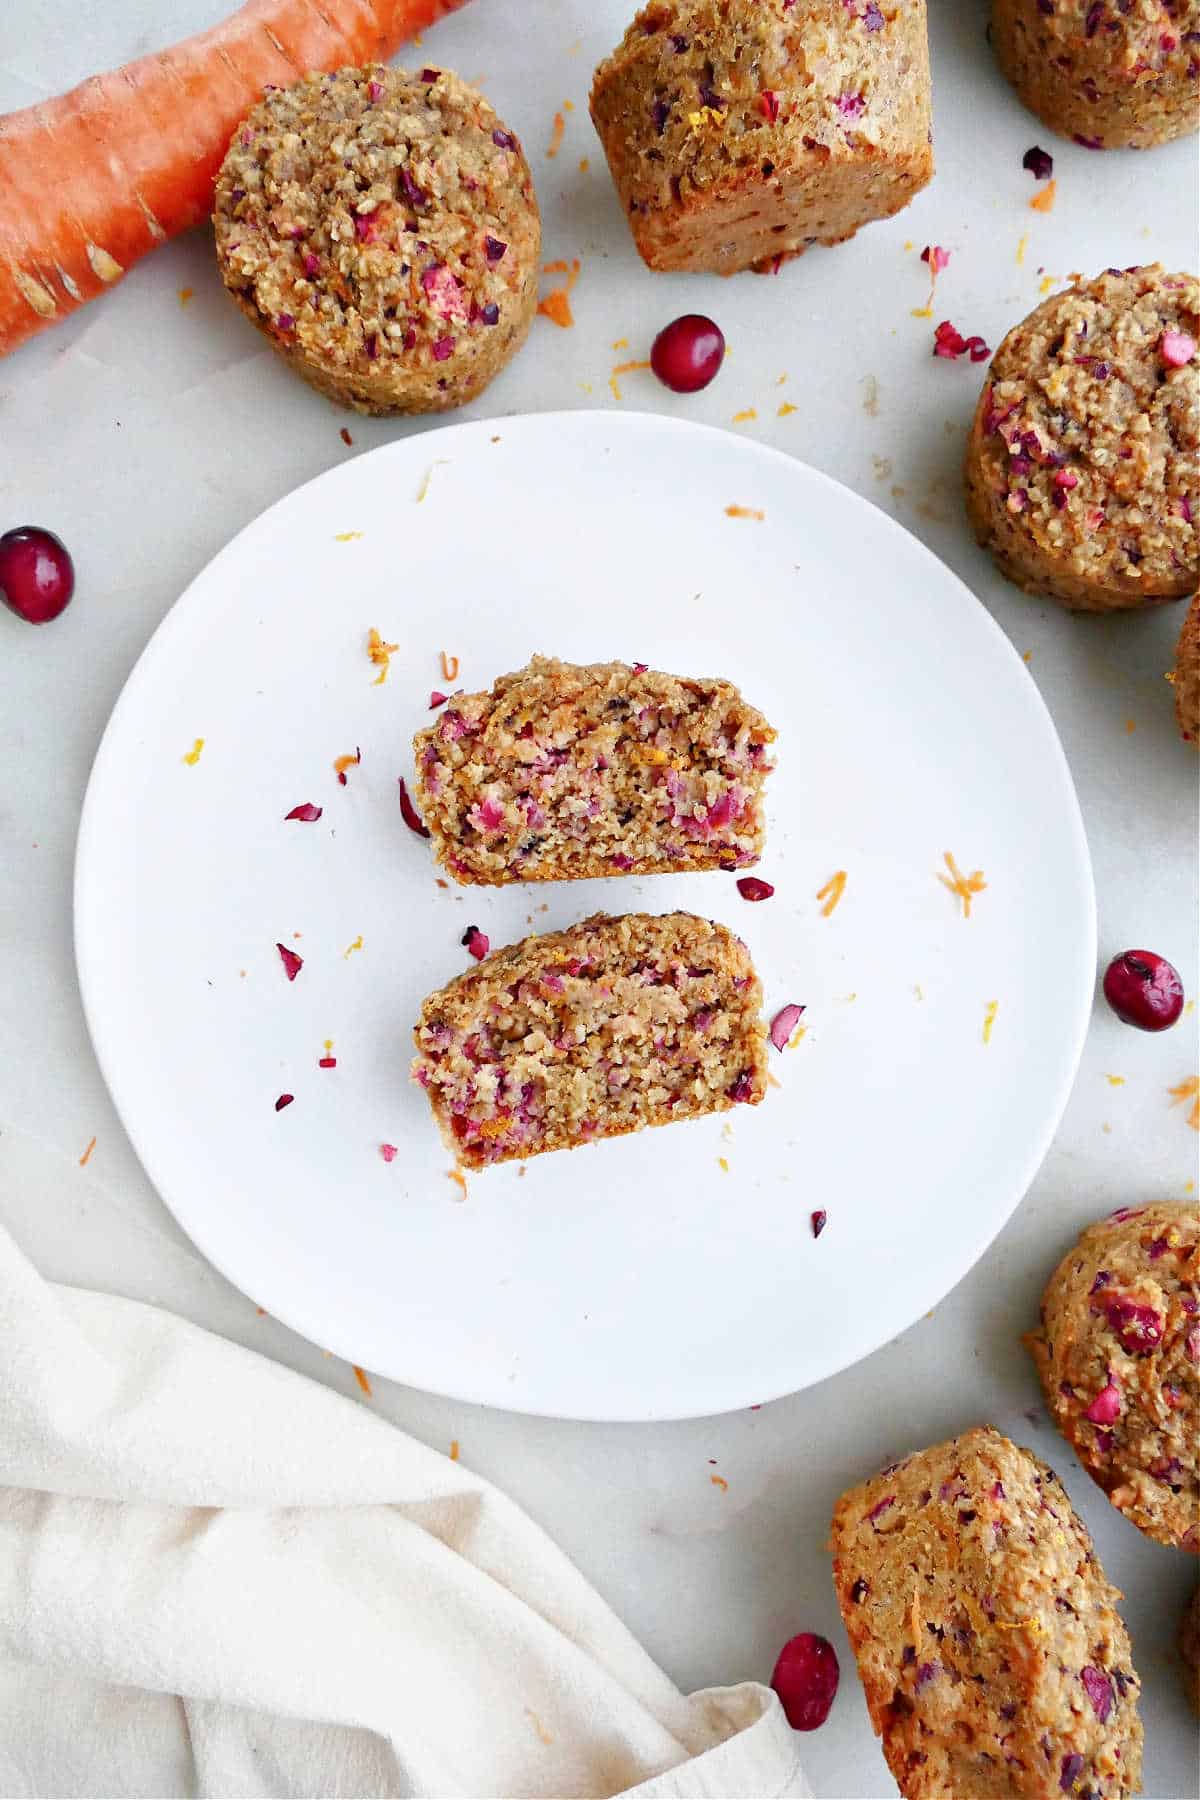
x: 147, y: 431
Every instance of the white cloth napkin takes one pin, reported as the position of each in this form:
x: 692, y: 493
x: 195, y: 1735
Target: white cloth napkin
x: 219, y: 1578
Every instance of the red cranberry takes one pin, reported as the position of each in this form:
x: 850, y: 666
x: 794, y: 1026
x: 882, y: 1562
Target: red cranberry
x: 1144, y: 990
x: 37, y: 576
x: 687, y: 353
x: 806, y: 1680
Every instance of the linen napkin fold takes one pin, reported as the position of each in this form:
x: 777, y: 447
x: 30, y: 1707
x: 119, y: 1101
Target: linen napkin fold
x: 218, y: 1577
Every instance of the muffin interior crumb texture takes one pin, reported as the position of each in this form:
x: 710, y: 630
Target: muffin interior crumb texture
x: 564, y: 771
x: 994, y: 1661
x: 612, y: 1025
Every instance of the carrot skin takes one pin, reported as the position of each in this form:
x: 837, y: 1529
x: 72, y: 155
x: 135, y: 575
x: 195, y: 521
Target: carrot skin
x: 92, y: 181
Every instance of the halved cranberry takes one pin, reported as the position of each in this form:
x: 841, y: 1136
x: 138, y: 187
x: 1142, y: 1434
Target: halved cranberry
x: 1144, y: 989
x: 687, y: 354
x: 806, y: 1680
x: 37, y: 576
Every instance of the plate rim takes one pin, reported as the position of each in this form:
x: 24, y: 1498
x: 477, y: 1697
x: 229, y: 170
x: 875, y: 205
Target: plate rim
x: 603, y: 420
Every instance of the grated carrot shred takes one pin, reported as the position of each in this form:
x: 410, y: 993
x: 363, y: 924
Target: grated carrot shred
x: 964, y: 886
x: 380, y: 654
x: 84, y: 1159
x: 625, y: 368
x: 557, y: 305
x: 832, y: 892
x: 745, y: 512
x: 1043, y: 200
x: 1188, y: 1090
x: 449, y: 666
x: 361, y: 1378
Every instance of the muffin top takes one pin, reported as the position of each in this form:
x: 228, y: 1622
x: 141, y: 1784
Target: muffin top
x: 376, y: 215
x: 1119, y: 1355
x: 723, y: 84
x: 1090, y: 428
x: 1121, y: 43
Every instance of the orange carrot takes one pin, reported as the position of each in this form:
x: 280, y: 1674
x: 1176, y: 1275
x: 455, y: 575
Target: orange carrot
x: 93, y: 180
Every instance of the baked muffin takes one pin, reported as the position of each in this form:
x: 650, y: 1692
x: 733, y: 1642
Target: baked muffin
x: 1118, y: 1351
x: 566, y: 771
x: 1104, y: 72
x: 610, y: 1026
x: 738, y: 132
x: 1189, y: 1647
x: 380, y: 228
x: 988, y: 1642
x: 1187, y: 675
x: 1083, y: 460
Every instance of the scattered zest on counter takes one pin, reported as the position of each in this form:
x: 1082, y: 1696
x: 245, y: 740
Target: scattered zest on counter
x: 1043, y: 200
x: 964, y: 886
x: 832, y: 892
x: 1188, y: 1090
x: 361, y: 1378
x: 86, y: 1157
x: 193, y: 755
x: 745, y: 512
x: 342, y: 763
x: 380, y: 654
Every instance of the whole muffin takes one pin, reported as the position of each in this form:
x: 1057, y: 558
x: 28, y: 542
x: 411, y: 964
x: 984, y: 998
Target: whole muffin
x: 1189, y: 1647
x: 1083, y: 460
x: 380, y: 228
x: 1104, y: 72
x: 1118, y: 1351
x: 987, y: 1639
x: 1187, y: 675
x: 740, y: 131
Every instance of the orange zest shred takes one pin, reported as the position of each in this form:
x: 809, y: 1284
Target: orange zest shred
x: 719, y: 1481
x: 1188, y: 1090
x: 83, y: 1161
x: 351, y: 948
x: 185, y: 294
x: 360, y: 1375
x: 584, y: 165
x: 556, y: 136
x: 544, y: 1736
x: 453, y: 1449
x: 747, y: 412
x: 1022, y: 246
x: 786, y: 410
x: 832, y: 892
x: 1043, y: 200
x: 745, y: 512
x: 722, y: 1165
x: 458, y: 1178
x: 1115, y: 1080
x: 346, y: 537
x: 989, y: 1019
x: 380, y: 654
x: 193, y: 755
x: 342, y: 763
x: 449, y: 666
x: 965, y: 886
x: 625, y: 368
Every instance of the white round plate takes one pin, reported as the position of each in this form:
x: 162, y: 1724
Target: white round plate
x: 671, y: 1273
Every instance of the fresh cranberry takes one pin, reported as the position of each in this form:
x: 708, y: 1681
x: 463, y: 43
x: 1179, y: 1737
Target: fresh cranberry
x: 1144, y: 990
x: 687, y: 353
x: 37, y: 576
x: 806, y: 1680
